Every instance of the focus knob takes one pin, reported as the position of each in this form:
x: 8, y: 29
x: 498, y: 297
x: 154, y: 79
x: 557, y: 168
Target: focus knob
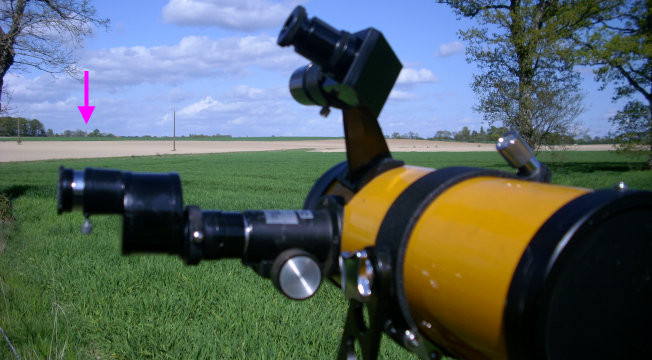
x: 296, y: 274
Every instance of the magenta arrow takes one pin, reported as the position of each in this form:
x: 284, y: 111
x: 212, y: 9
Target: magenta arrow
x: 86, y: 110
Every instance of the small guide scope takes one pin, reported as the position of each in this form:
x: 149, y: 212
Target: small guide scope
x: 346, y: 70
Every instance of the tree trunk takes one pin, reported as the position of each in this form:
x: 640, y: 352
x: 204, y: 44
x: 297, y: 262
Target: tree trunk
x: 525, y: 74
x: 7, y: 41
x: 649, y: 131
x: 7, y: 55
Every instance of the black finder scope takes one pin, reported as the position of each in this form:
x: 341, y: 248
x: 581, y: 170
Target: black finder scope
x: 347, y: 70
x: 155, y: 221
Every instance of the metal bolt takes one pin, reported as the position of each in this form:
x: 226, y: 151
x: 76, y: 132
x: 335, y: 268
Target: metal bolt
x: 87, y: 227
x: 357, y: 274
x: 621, y: 186
x: 411, y: 338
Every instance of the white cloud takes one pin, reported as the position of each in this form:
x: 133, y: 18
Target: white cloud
x: 401, y: 95
x: 248, y: 15
x: 193, y: 57
x: 450, y: 49
x: 42, y: 88
x: 411, y: 77
x: 210, y: 105
x: 247, y: 92
x: 245, y: 110
x: 241, y: 99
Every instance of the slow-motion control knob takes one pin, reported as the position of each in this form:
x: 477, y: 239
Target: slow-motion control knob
x: 296, y: 274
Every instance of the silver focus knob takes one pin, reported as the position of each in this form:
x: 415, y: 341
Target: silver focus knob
x: 296, y: 274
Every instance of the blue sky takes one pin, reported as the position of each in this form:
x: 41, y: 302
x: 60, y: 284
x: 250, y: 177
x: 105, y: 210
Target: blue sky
x: 217, y: 63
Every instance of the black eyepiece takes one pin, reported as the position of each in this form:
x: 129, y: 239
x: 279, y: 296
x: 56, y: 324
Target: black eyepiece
x: 151, y: 204
x: 331, y: 49
x: 93, y: 191
x: 292, y: 25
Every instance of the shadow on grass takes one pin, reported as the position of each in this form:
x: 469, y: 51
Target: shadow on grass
x: 15, y: 191
x: 589, y: 167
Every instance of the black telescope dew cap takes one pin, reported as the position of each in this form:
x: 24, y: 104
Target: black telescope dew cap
x: 292, y: 25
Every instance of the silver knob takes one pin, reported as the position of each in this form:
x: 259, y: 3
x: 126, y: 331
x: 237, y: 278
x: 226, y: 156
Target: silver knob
x: 296, y: 274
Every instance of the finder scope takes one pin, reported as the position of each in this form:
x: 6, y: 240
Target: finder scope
x: 347, y: 70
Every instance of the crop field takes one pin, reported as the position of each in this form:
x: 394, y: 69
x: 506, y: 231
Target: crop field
x: 65, y: 295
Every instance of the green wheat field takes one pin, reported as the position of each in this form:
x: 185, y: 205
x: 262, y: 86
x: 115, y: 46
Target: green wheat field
x: 64, y: 295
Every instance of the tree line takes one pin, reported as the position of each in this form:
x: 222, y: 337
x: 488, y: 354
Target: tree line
x: 19, y: 126
x: 492, y: 134
x: 15, y: 126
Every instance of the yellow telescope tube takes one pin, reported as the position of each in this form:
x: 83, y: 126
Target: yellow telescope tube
x: 462, y: 251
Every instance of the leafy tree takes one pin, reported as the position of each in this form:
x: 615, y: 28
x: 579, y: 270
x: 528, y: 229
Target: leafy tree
x: 634, y: 127
x: 482, y: 136
x: 95, y: 133
x: 494, y: 133
x: 9, y: 126
x: 443, y: 135
x: 463, y: 135
x: 43, y: 34
x: 526, y: 81
x: 617, y: 42
x: 34, y: 128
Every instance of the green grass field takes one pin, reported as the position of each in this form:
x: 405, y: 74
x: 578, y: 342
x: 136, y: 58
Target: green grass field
x: 73, y: 296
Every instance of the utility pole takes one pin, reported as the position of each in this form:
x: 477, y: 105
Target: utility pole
x: 19, y: 141
x: 174, y: 130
